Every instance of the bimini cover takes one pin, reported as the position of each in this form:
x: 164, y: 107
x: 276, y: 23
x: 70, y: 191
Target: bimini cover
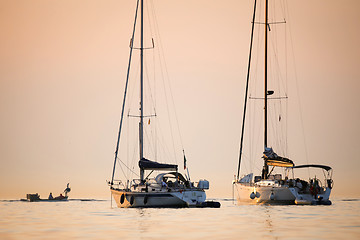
x: 272, y: 159
x: 160, y: 177
x: 151, y: 165
x: 327, y: 168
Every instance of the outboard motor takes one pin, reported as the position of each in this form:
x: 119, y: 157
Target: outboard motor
x: 203, y: 184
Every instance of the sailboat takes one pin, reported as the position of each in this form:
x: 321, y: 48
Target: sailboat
x: 270, y: 187
x: 169, y: 188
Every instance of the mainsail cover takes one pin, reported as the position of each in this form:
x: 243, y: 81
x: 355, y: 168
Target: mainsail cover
x: 146, y: 164
x: 272, y: 159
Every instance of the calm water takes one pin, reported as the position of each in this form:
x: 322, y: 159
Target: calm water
x: 97, y: 220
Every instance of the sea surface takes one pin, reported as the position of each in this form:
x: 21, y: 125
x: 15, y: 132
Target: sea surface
x: 96, y: 219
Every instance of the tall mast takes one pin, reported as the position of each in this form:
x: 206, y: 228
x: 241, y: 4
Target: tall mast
x: 126, y: 87
x: 266, y: 168
x: 141, y: 124
x: 246, y: 90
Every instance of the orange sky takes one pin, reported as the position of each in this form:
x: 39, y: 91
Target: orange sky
x: 63, y: 66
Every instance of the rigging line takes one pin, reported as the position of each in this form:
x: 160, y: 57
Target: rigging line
x: 127, y: 167
x: 259, y: 35
x: 274, y: 51
x: 298, y: 93
x: 150, y: 143
x: 280, y: 109
x: 245, y: 164
x: 131, y: 160
x: 149, y: 19
x: 257, y: 140
x: 155, y: 139
x: 122, y: 169
x: 284, y: 128
x: 131, y: 146
x: 123, y: 106
x: 134, y: 156
x: 251, y: 123
x: 168, y: 80
x: 246, y: 92
x: 282, y: 6
x: 150, y: 138
x: 278, y: 133
x: 147, y: 78
x: 148, y: 85
x: 279, y: 74
x: 161, y: 53
x: 278, y: 126
x: 255, y: 123
x: 154, y: 77
x: 162, y: 142
x: 133, y: 85
x: 249, y: 140
x: 128, y: 143
x: 276, y: 72
x: 286, y: 77
x: 127, y: 154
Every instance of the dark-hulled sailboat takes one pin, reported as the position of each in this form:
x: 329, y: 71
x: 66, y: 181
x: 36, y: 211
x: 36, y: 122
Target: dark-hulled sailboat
x: 169, y: 188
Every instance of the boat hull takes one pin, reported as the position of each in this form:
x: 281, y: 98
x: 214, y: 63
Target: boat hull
x: 173, y: 199
x: 45, y: 200
x: 263, y: 194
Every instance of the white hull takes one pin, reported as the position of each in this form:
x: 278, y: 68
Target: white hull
x: 263, y: 194
x: 181, y: 198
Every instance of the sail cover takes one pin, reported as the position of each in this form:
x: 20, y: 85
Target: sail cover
x: 146, y: 164
x: 272, y: 159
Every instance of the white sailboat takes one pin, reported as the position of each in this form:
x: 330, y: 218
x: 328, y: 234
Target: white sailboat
x: 169, y: 188
x: 277, y: 185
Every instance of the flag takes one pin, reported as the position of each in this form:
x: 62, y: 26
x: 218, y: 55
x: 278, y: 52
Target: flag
x: 184, y: 162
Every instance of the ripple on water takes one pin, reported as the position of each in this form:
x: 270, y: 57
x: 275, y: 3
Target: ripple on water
x: 95, y: 219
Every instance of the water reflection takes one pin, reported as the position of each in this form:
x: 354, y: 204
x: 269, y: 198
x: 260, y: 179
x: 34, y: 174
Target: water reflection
x: 268, y: 221
x: 96, y: 220
x: 143, y: 223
